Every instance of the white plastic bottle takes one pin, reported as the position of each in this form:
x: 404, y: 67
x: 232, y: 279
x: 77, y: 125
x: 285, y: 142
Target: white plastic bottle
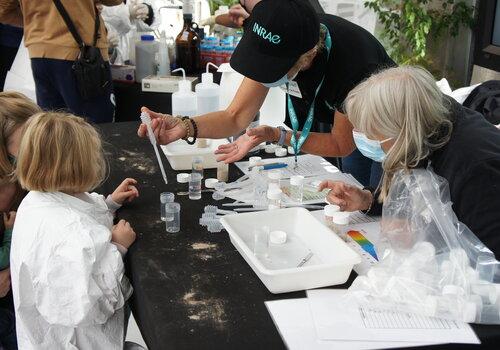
x: 184, y: 100
x: 207, y: 93
x: 163, y: 56
x: 145, y: 57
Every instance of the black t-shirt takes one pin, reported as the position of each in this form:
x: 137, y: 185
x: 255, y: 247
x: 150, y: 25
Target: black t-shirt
x: 355, y: 55
x: 470, y: 162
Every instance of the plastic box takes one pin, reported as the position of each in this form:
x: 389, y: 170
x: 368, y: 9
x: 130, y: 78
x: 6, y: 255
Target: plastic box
x: 180, y: 155
x: 331, y: 263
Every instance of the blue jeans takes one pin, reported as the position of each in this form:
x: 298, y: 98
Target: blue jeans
x: 365, y: 170
x: 57, y: 89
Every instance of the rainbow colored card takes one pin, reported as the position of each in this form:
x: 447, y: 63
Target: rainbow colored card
x: 364, y: 243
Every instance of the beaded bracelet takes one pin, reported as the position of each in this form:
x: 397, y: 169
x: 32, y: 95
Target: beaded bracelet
x: 187, y: 121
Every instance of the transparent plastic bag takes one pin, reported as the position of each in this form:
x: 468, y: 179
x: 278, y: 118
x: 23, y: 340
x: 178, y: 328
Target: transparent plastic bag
x: 430, y: 262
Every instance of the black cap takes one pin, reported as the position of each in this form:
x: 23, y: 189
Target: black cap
x: 276, y: 34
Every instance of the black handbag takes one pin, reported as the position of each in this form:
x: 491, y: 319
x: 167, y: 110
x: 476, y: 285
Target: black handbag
x: 91, y: 71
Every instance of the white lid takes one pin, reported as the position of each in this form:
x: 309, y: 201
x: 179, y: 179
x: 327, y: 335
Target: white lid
x: 210, y: 183
x: 469, y: 312
x: 273, y: 185
x: 297, y: 180
x: 254, y: 160
x: 274, y: 193
x: 291, y: 150
x: 451, y: 289
x: 331, y: 209
x: 183, y: 178
x: 277, y: 237
x: 274, y: 175
x: 269, y: 148
x: 280, y: 152
x: 341, y: 218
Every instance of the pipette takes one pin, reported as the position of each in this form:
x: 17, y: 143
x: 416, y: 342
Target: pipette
x: 146, y: 119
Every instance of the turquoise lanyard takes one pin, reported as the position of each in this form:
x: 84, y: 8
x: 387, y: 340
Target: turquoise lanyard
x: 310, y: 116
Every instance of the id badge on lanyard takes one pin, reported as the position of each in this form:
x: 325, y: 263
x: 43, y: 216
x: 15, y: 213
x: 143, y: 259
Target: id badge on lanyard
x: 297, y: 144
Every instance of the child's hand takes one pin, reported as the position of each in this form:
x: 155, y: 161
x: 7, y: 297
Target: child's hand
x: 123, y: 234
x: 125, y: 192
x: 8, y: 219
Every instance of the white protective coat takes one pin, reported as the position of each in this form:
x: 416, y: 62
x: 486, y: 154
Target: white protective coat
x: 117, y: 19
x: 67, y: 277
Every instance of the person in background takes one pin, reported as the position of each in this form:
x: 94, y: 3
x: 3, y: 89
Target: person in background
x: 119, y: 21
x: 15, y: 110
x: 53, y: 51
x: 67, y: 256
x: 401, y: 118
x: 10, y: 39
x: 317, y: 59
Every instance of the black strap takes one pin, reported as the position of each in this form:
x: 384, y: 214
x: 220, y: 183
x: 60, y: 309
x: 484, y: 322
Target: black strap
x: 71, y: 26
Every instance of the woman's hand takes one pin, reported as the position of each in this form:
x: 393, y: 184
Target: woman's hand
x: 238, y: 149
x: 9, y: 219
x: 347, y: 197
x: 123, y: 234
x: 237, y: 15
x: 166, y: 128
x: 125, y: 192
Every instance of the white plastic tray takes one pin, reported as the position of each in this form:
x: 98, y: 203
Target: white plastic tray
x: 180, y: 154
x: 331, y: 263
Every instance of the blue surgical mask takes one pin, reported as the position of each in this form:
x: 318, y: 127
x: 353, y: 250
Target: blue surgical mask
x: 369, y: 148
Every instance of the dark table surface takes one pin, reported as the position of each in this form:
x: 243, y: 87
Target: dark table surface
x: 192, y: 290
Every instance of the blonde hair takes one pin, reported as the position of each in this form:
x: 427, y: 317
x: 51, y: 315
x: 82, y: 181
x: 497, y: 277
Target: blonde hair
x: 15, y: 110
x: 405, y: 104
x: 306, y: 58
x: 60, y: 153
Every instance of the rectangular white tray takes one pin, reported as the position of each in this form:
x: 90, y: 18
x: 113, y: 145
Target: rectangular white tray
x: 180, y: 155
x: 331, y: 263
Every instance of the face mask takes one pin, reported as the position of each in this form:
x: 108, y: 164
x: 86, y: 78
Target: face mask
x: 280, y: 82
x: 369, y: 148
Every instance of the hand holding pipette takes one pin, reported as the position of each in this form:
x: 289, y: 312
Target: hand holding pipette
x: 146, y: 119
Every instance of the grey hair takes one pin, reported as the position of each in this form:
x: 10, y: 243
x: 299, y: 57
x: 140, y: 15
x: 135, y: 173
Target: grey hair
x: 405, y: 104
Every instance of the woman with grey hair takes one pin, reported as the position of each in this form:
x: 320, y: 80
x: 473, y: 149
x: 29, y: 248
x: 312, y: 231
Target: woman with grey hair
x: 402, y: 119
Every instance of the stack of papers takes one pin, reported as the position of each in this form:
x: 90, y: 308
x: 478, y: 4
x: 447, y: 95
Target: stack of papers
x: 324, y: 321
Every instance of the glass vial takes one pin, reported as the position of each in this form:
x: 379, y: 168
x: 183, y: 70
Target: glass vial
x: 195, y: 186
x: 274, y: 177
x: 165, y: 197
x: 197, y: 166
x: 173, y: 217
x: 297, y: 188
x: 222, y: 172
x: 274, y: 197
x: 329, y: 211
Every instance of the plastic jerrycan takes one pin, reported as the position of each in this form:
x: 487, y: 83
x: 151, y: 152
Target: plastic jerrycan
x: 207, y: 93
x: 183, y: 100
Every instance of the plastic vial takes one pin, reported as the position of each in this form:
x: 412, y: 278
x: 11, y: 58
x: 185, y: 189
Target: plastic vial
x: 297, y: 188
x: 485, y: 267
x: 274, y: 197
x: 340, y: 221
x: 197, y: 166
x: 195, y: 186
x: 222, y: 172
x: 173, y: 217
x: 254, y: 161
x: 261, y: 242
x: 274, y: 177
x: 329, y: 211
x: 165, y: 197
x: 219, y: 191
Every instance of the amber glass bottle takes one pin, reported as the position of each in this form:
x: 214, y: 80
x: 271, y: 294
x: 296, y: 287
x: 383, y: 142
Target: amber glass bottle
x: 187, y: 46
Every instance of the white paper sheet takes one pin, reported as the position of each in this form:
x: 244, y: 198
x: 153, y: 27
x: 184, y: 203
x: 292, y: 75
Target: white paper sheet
x: 295, y: 324
x: 307, y: 165
x: 335, y: 319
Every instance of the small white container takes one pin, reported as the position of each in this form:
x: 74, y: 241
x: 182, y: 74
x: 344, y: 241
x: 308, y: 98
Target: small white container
x: 332, y: 259
x: 254, y: 161
x: 274, y: 196
x: 274, y: 177
x: 280, y: 152
x: 179, y: 154
x: 297, y: 188
x: 340, y: 222
x: 330, y: 210
x: 222, y: 172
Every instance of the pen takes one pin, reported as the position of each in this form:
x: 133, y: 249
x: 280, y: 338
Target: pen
x: 270, y: 166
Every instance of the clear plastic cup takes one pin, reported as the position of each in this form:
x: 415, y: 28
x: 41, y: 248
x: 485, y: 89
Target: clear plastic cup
x: 261, y: 242
x: 173, y: 217
x: 197, y: 166
x: 165, y: 197
x: 195, y: 186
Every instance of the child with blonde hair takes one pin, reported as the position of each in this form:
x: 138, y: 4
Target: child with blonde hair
x: 67, y: 257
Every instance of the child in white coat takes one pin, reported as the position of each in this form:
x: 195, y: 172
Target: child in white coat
x: 67, y: 257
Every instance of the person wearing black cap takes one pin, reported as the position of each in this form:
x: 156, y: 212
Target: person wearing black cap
x: 317, y: 58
